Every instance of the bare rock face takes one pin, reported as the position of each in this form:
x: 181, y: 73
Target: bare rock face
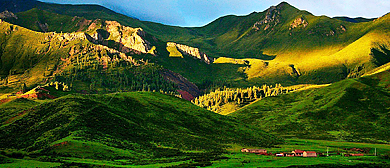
x: 299, y: 22
x: 126, y: 39
x: 271, y: 19
x: 71, y: 36
x: 7, y: 14
x: 116, y: 53
x: 43, y: 26
x: 191, y: 51
x: 342, y: 29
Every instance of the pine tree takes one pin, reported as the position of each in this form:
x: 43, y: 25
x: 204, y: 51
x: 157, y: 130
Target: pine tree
x: 23, y: 88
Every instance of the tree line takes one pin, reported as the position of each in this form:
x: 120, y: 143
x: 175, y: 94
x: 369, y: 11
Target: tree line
x: 87, y: 72
x: 239, y: 96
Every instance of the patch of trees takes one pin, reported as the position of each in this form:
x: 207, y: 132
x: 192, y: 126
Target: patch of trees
x: 240, y: 96
x: 58, y: 86
x: 104, y: 72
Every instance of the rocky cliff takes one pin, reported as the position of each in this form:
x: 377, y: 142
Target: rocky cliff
x: 7, y: 14
x: 271, y: 19
x: 49, y: 54
x: 192, y: 51
x: 299, y: 22
x: 123, y: 38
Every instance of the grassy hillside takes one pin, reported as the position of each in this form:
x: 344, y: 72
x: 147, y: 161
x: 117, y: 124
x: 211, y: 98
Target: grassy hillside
x: 141, y: 127
x: 355, y: 20
x: 201, y: 74
x: 34, y: 58
x: 323, y: 49
x: 43, y: 21
x: 353, y: 109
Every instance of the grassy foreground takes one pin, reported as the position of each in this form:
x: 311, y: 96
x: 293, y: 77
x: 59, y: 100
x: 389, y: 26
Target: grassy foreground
x: 134, y: 128
x: 234, y: 158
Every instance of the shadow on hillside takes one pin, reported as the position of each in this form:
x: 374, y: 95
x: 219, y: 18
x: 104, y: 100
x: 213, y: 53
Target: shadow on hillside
x: 249, y: 54
x: 381, y: 55
x: 102, y: 39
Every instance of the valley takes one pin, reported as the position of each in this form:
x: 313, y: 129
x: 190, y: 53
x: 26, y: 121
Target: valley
x: 85, y: 86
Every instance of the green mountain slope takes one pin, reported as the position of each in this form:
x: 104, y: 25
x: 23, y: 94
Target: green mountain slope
x: 322, y: 49
x: 137, y: 126
x: 354, y: 20
x: 284, y: 38
x: 289, y: 46
x: 352, y: 109
x: 36, y: 58
x: 43, y: 21
x: 91, y: 58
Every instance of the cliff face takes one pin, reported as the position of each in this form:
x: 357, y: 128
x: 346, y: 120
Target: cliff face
x: 191, y: 51
x: 49, y: 54
x: 271, y: 19
x: 7, y: 14
x: 125, y: 39
x: 131, y: 38
x: 299, y: 22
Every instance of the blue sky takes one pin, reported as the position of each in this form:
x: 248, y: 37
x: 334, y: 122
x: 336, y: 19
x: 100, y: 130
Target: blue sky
x: 201, y: 12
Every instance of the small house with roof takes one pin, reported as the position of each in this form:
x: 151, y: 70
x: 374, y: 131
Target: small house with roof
x: 309, y: 154
x: 298, y: 152
x: 253, y: 150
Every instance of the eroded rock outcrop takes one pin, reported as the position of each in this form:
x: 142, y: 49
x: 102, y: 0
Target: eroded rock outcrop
x: 299, y: 22
x: 7, y: 14
x: 70, y: 36
x: 43, y: 26
x: 127, y: 39
x: 271, y: 19
x: 192, y: 51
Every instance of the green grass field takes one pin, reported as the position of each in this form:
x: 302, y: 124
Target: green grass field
x: 234, y: 158
x: 238, y: 159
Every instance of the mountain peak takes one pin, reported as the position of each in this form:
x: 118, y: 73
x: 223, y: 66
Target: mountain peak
x: 272, y: 16
x: 283, y: 4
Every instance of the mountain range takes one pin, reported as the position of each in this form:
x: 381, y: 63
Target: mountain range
x: 84, y: 82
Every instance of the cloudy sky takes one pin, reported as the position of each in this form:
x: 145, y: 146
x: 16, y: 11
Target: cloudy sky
x: 201, y: 12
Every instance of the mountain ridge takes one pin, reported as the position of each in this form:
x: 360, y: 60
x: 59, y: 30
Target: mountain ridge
x: 281, y: 37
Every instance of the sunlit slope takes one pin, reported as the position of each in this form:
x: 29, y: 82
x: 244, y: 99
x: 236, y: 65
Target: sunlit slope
x: 44, y: 21
x: 352, y: 109
x: 194, y: 70
x: 292, y: 46
x: 26, y: 55
x: 324, y: 64
x: 35, y: 58
x: 140, y: 124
